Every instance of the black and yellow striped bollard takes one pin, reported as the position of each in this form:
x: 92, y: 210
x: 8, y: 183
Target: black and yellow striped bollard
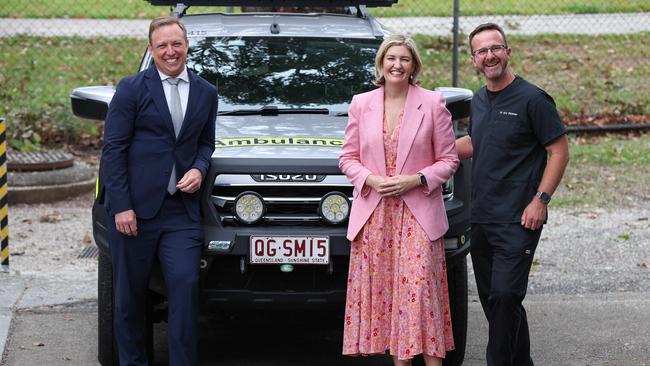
x: 4, y: 207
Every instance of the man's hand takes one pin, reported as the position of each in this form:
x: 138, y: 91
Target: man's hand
x: 558, y: 157
x: 191, y: 181
x: 534, y: 215
x: 464, y: 147
x: 126, y: 223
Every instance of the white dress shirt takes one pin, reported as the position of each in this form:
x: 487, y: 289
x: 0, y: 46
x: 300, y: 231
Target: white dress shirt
x: 183, y: 89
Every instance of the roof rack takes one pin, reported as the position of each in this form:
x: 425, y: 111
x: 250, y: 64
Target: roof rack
x: 180, y: 8
x: 322, y: 3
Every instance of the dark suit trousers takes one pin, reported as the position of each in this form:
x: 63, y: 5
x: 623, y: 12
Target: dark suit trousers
x: 175, y: 239
x: 502, y: 255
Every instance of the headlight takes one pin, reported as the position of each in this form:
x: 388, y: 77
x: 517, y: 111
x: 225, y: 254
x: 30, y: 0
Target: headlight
x: 334, y: 208
x: 249, y: 207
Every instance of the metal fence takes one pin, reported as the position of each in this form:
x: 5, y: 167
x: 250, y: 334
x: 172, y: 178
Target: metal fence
x: 591, y: 55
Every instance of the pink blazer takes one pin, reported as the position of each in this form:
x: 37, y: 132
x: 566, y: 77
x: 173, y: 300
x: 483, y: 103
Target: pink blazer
x: 426, y: 145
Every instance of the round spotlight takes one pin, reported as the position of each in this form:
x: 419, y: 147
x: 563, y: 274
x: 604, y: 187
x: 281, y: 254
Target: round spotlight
x: 334, y: 208
x: 249, y: 207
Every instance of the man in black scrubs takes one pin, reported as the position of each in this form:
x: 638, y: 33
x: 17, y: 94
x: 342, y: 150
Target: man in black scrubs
x: 519, y: 149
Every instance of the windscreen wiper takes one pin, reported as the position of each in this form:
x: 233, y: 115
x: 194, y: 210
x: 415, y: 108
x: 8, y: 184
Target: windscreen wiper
x: 273, y: 111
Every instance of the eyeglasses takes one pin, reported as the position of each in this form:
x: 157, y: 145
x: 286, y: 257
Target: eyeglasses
x: 497, y: 49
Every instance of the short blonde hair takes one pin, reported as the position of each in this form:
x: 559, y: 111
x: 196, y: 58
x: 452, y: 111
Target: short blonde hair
x: 397, y: 40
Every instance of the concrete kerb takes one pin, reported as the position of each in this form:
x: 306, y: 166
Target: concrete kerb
x: 51, y: 185
x: 12, y: 289
x: 37, y: 194
x: 27, y: 291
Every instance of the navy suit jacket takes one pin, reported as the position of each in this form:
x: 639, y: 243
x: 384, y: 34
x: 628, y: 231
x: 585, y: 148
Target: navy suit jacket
x: 140, y: 145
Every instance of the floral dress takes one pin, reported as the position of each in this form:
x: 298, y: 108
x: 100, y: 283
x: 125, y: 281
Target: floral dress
x: 397, y: 296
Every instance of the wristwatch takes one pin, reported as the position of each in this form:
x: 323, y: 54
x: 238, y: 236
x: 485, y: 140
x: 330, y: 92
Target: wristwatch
x: 423, y: 179
x: 544, y: 197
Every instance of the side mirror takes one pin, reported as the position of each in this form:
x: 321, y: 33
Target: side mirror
x: 91, y: 102
x: 458, y: 101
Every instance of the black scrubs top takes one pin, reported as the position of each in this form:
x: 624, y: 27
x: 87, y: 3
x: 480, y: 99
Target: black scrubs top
x: 509, y: 132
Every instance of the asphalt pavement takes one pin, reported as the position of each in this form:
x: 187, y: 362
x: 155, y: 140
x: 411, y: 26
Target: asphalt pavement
x: 588, y: 300
x: 566, y: 330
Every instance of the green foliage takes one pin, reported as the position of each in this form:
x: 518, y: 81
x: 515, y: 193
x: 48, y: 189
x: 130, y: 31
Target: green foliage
x: 612, y: 151
x: 45, y: 69
x: 114, y: 9
x: 26, y: 141
x: 28, y: 130
x: 586, y: 75
x: 37, y: 75
x: 514, y: 7
x: 606, y: 171
x: 140, y: 9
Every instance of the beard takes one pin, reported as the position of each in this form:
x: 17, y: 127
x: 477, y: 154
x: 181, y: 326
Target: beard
x: 496, y: 72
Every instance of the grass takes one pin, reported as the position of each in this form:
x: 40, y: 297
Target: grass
x: 115, y: 9
x: 606, y: 171
x: 612, y: 150
x: 140, y: 9
x: 37, y: 75
x: 44, y: 70
x: 515, y: 7
x: 603, y: 75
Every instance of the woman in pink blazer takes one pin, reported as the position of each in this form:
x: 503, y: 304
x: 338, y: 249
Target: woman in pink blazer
x: 398, y: 151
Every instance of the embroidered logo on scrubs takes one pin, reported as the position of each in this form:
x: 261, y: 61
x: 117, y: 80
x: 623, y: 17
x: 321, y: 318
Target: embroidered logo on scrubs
x: 508, y: 113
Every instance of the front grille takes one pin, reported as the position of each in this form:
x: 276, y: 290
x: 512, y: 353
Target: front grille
x: 287, y: 203
x: 290, y: 203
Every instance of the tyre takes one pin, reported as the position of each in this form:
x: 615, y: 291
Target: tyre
x: 457, y: 284
x: 107, y: 349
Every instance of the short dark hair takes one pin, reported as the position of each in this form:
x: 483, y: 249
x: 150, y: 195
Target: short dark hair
x: 484, y: 27
x: 163, y: 21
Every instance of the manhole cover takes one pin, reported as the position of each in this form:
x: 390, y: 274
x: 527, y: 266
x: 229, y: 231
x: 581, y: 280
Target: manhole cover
x: 22, y: 161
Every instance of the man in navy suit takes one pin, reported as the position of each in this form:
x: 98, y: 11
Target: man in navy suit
x: 158, y: 140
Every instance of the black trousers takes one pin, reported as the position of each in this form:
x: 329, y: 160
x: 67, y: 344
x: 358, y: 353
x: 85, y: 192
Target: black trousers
x: 502, y: 255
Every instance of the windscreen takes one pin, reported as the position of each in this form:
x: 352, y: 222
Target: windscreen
x: 286, y: 72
